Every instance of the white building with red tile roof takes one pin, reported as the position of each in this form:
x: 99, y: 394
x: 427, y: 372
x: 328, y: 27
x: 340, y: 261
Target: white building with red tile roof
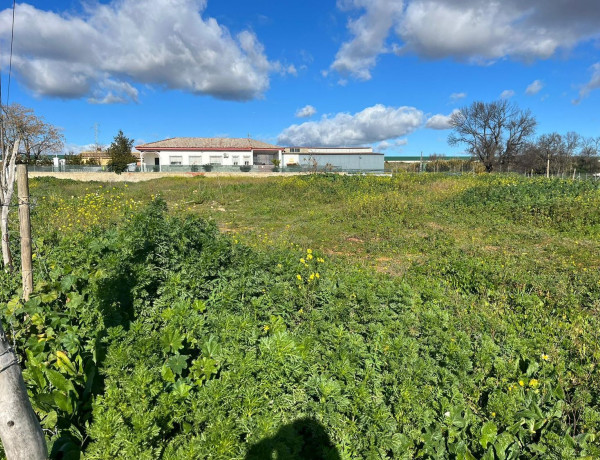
x: 180, y: 153
x: 200, y: 151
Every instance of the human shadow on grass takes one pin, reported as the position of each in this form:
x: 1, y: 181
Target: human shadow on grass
x: 303, y: 439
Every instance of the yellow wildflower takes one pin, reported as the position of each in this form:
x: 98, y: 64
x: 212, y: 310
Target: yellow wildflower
x: 545, y: 357
x: 302, y: 261
x: 311, y: 277
x: 521, y: 383
x: 266, y: 327
x: 309, y: 251
x: 533, y: 383
x: 317, y: 275
x: 299, y: 277
x: 309, y: 256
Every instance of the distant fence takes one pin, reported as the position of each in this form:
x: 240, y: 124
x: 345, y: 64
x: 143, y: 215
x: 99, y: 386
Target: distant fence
x: 197, y: 168
x: 287, y: 169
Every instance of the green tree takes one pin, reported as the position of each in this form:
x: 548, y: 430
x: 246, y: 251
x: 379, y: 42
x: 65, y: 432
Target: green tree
x: 120, y: 153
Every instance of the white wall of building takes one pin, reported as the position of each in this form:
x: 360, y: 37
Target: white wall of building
x: 367, y: 161
x: 199, y: 158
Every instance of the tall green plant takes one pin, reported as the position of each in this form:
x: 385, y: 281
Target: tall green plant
x: 120, y: 153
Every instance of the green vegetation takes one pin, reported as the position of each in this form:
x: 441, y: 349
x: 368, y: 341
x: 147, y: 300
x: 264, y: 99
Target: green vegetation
x: 419, y: 316
x: 120, y: 153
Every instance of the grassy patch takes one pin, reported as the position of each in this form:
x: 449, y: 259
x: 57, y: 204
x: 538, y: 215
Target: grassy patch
x: 232, y: 317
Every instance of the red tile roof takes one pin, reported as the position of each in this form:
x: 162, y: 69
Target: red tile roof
x: 207, y: 143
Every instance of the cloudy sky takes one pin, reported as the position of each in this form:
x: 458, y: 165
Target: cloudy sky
x: 386, y: 73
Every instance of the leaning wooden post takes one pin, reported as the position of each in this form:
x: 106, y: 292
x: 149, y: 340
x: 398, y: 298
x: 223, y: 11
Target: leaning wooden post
x: 20, y: 430
x: 25, y: 230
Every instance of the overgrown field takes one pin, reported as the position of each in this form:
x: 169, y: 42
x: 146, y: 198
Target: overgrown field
x: 322, y: 316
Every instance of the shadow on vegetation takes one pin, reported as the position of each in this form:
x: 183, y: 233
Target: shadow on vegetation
x: 303, y: 439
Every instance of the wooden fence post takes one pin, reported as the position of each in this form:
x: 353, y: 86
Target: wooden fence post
x: 20, y: 431
x: 25, y: 230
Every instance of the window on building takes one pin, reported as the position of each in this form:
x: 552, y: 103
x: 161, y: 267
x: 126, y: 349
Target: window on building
x: 236, y: 160
x: 294, y: 150
x: 196, y: 160
x: 175, y: 160
x: 246, y: 160
x: 216, y: 160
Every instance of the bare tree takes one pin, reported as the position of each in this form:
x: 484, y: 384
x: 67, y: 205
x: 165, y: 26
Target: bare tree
x: 587, y: 160
x: 493, y: 132
x: 37, y: 137
x: 550, y: 147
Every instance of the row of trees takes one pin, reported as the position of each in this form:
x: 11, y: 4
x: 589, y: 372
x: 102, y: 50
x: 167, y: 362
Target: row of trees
x: 501, y: 137
x: 34, y: 140
x: 556, y: 154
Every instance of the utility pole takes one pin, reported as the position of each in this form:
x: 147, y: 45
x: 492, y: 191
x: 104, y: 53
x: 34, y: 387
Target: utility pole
x: 96, y: 145
x: 25, y: 230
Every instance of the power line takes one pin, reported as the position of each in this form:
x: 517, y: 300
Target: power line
x: 12, y: 38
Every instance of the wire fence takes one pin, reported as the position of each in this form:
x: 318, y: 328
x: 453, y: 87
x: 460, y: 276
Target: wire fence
x: 292, y: 169
x: 198, y: 169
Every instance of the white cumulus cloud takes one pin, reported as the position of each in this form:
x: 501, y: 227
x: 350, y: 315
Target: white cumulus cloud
x: 534, y: 88
x: 102, y: 53
x: 373, y: 124
x: 357, y: 56
x: 477, y: 31
x: 507, y: 94
x: 385, y: 145
x: 440, y: 121
x: 306, y: 112
x: 454, y: 97
x: 591, y: 85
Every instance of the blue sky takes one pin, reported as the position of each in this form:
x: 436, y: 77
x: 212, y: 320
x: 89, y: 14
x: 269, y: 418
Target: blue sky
x: 386, y: 73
